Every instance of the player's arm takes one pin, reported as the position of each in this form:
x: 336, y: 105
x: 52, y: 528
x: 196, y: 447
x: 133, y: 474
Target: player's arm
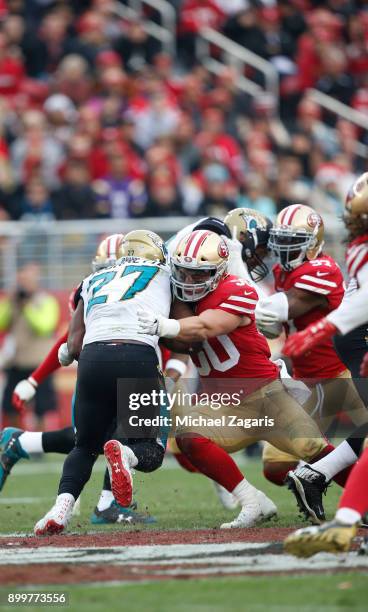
x: 76, y: 331
x: 209, y: 324
x: 350, y: 314
x: 25, y: 390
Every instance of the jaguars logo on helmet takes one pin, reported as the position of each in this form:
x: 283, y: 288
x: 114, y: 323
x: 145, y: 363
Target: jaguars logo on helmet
x: 252, y: 229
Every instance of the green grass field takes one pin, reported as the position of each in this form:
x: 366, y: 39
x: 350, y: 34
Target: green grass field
x: 178, y: 500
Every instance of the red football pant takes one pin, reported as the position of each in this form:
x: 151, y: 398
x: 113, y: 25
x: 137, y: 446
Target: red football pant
x: 210, y: 460
x: 355, y: 495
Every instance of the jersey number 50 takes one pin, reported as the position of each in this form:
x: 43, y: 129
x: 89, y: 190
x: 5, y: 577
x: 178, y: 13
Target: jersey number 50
x: 146, y: 274
x: 210, y: 361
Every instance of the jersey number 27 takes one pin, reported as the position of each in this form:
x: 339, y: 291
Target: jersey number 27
x: 146, y: 274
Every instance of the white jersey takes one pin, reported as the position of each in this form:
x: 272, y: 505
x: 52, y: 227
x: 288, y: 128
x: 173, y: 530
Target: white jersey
x: 113, y: 296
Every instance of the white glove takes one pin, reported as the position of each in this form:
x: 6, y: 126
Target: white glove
x: 265, y: 316
x: 65, y: 359
x: 26, y: 389
x: 152, y: 324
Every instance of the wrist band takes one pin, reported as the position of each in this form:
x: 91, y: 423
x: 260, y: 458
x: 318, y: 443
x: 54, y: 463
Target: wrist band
x: 176, y: 364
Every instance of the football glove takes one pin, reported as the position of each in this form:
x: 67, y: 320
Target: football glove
x: 311, y: 336
x: 156, y: 325
x: 23, y: 393
x: 65, y: 359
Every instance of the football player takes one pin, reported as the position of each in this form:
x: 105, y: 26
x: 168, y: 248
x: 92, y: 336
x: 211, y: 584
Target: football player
x: 17, y: 444
x: 349, y: 322
x: 233, y: 356
x: 308, y: 284
x: 104, y: 335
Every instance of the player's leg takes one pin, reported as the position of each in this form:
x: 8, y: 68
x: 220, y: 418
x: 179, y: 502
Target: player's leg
x: 314, y: 478
x: 208, y: 448
x: 95, y: 411
x: 17, y: 444
x: 337, y: 535
x: 277, y: 464
x: 125, y: 454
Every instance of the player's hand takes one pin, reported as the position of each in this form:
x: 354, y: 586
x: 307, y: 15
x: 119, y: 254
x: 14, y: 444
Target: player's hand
x: 23, y: 393
x: 311, y: 336
x: 65, y: 359
x: 265, y: 317
x: 156, y: 325
x: 364, y: 366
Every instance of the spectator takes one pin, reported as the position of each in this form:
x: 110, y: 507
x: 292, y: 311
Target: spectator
x: 118, y: 195
x: 36, y: 204
x: 256, y: 197
x: 29, y: 316
x: 11, y: 68
x: 164, y: 198
x: 75, y: 199
x: 218, y: 197
x: 36, y: 150
x: 136, y: 47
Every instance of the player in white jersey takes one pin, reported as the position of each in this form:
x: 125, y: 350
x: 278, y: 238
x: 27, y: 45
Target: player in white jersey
x: 115, y: 366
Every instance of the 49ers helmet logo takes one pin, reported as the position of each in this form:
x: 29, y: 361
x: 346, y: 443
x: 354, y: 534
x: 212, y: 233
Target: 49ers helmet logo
x: 314, y: 220
x: 222, y: 250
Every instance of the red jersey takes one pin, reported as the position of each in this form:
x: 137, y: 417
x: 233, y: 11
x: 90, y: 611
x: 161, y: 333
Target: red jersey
x: 244, y: 352
x: 357, y: 255
x: 323, y: 276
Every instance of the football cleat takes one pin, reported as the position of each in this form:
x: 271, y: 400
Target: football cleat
x: 260, y: 509
x: 120, y: 472
x: 118, y: 514
x: 12, y: 452
x: 58, y: 518
x: 308, y: 486
x: 331, y: 537
x: 363, y: 550
x: 227, y: 499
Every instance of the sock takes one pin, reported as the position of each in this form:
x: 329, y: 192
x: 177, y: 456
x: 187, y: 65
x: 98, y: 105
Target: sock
x: 335, y: 461
x: 211, y: 460
x: 348, y: 516
x: 105, y: 500
x: 132, y: 459
x: 184, y: 462
x: 244, y: 492
x: 58, y: 441
x: 31, y: 441
x: 355, y: 495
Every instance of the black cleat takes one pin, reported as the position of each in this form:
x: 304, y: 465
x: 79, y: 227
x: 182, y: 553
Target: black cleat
x: 363, y: 550
x: 118, y: 514
x: 308, y: 486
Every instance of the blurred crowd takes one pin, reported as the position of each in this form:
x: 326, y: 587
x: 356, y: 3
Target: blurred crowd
x: 98, y: 121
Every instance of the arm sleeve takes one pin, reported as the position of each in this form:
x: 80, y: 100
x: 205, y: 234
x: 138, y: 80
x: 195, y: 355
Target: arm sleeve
x: 5, y: 314
x: 42, y: 317
x: 51, y: 362
x: 352, y: 312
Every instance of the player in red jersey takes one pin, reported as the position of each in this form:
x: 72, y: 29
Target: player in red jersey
x: 17, y: 444
x: 349, y: 319
x: 309, y: 284
x: 233, y: 361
